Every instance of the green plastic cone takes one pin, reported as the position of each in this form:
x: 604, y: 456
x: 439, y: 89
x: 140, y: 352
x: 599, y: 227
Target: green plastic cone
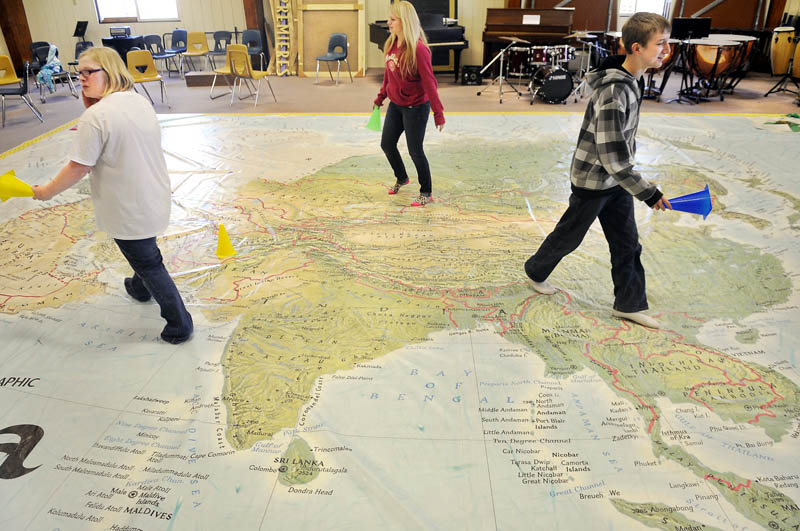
x: 374, y: 123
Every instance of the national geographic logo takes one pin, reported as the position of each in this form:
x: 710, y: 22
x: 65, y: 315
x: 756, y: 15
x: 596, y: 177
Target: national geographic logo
x: 16, y: 381
x: 29, y: 436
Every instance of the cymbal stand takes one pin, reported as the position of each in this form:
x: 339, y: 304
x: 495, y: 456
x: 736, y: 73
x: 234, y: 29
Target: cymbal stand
x: 501, y: 78
x: 581, y: 87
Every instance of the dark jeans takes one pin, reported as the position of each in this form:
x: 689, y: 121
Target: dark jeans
x: 413, y: 121
x: 151, y: 277
x: 615, y: 212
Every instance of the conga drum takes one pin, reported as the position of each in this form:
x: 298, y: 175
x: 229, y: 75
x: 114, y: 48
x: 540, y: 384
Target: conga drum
x: 781, y: 48
x: 796, y: 66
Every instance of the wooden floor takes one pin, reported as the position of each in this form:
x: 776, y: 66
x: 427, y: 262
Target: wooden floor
x: 302, y: 95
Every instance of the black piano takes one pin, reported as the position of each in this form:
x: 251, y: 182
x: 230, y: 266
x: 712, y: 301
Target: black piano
x: 441, y: 38
x: 537, y: 26
x: 124, y: 44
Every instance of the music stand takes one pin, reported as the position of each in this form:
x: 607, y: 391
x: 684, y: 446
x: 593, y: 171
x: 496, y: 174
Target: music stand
x: 80, y: 29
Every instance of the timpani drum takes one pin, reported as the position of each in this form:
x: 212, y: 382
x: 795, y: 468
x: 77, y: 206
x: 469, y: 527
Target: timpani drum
x: 748, y: 43
x: 711, y: 59
x: 781, y: 48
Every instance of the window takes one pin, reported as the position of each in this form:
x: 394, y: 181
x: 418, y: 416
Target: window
x: 629, y: 7
x: 136, y: 10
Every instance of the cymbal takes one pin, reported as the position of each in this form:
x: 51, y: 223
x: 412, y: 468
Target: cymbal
x: 578, y: 35
x: 514, y: 39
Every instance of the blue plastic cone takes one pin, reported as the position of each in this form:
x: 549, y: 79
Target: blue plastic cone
x: 374, y: 123
x: 696, y: 203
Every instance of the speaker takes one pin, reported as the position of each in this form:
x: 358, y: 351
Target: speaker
x: 471, y: 75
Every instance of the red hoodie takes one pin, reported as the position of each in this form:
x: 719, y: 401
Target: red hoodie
x: 414, y: 90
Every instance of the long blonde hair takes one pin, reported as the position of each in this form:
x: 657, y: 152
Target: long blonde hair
x: 117, y: 75
x: 412, y: 33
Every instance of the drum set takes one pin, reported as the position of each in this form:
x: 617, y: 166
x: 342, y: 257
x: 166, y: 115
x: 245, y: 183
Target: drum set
x: 712, y: 66
x: 538, y: 70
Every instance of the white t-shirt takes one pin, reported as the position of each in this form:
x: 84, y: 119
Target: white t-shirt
x: 120, y: 136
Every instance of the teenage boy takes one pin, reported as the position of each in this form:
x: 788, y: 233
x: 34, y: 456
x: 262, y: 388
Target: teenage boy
x: 603, y: 179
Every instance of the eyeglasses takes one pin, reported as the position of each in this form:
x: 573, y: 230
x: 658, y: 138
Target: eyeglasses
x: 88, y: 72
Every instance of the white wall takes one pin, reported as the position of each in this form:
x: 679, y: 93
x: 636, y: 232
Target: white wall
x: 54, y: 21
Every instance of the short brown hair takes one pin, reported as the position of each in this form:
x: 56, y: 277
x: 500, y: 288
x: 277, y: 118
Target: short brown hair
x: 640, y: 27
x: 119, y: 79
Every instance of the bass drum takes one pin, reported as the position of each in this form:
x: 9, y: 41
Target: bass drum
x: 554, y: 84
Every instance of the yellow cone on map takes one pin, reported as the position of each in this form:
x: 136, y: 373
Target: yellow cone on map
x: 10, y: 187
x: 224, y: 247
x: 374, y: 123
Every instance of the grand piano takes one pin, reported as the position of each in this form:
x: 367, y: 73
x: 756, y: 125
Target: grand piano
x: 441, y: 37
x: 537, y: 26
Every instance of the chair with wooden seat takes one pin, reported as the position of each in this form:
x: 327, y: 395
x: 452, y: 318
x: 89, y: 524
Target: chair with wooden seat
x: 244, y: 73
x: 196, y: 46
x: 11, y: 85
x: 142, y: 68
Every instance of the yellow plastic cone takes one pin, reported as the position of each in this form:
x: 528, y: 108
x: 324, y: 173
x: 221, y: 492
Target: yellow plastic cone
x: 10, y: 187
x: 374, y: 123
x: 224, y: 247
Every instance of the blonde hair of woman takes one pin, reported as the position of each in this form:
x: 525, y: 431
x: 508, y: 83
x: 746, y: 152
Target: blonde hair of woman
x: 117, y: 75
x: 412, y: 33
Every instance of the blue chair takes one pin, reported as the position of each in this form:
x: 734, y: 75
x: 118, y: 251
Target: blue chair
x: 222, y: 40
x: 252, y: 39
x: 153, y: 44
x: 337, y: 40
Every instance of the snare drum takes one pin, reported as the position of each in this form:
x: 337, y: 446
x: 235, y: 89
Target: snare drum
x: 781, y: 48
x: 555, y: 83
x: 518, y: 63
x: 710, y: 59
x: 539, y: 55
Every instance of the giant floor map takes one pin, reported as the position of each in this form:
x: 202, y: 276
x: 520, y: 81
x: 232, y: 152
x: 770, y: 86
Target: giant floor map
x: 362, y: 364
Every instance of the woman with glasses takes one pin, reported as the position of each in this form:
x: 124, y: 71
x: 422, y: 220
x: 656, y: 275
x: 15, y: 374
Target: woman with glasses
x: 118, y: 141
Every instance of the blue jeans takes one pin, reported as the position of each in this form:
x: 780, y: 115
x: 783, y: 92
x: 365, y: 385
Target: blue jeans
x: 413, y: 121
x: 150, y: 277
x: 615, y: 212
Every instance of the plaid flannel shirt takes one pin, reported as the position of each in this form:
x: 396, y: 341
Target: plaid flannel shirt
x: 606, y: 147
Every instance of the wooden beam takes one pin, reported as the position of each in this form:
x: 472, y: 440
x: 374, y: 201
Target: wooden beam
x: 254, y: 19
x: 16, y: 32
